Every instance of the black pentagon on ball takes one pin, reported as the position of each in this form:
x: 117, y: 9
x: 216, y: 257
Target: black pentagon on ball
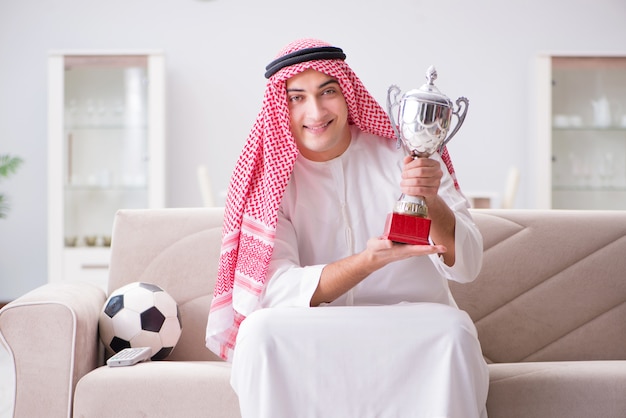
x: 162, y: 353
x: 178, y: 315
x: 151, y: 287
x: 152, y: 319
x: 115, y: 304
x: 118, y: 344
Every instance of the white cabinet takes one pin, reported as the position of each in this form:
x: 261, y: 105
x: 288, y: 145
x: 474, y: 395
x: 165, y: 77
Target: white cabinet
x: 582, y: 132
x: 106, y: 132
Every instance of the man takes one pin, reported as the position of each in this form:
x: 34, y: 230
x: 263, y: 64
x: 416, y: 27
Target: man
x: 356, y: 326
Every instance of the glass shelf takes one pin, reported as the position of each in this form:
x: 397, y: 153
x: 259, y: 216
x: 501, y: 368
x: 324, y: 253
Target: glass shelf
x: 589, y: 188
x: 96, y: 188
x: 589, y: 129
x: 106, y: 127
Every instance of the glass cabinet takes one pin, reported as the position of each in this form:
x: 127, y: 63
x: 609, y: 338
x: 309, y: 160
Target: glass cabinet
x: 106, y: 152
x: 582, y: 132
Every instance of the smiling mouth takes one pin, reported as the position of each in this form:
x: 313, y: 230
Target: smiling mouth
x: 318, y: 128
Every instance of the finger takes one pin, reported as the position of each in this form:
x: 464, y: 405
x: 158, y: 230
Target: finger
x: 420, y: 182
x: 424, y: 191
x: 426, y: 249
x: 420, y: 162
x: 422, y: 172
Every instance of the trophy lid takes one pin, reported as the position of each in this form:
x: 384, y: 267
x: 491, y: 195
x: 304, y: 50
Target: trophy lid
x: 429, y: 92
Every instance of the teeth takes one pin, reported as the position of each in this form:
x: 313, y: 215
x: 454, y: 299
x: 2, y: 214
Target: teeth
x: 320, y: 126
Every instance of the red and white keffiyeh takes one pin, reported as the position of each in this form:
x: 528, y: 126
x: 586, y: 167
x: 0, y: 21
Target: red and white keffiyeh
x: 257, y: 185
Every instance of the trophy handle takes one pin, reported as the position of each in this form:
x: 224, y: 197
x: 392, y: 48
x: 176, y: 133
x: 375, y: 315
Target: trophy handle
x: 392, y: 104
x: 460, y: 118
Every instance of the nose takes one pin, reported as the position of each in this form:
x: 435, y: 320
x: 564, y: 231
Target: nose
x: 315, y: 109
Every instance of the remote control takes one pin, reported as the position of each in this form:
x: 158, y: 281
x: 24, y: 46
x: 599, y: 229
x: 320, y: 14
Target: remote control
x: 130, y: 356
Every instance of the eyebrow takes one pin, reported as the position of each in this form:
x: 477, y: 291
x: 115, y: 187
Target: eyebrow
x: 321, y: 86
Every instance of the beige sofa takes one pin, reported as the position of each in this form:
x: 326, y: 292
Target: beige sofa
x: 549, y: 306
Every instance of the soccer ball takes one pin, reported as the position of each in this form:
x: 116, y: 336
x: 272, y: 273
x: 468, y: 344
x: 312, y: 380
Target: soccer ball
x: 140, y: 315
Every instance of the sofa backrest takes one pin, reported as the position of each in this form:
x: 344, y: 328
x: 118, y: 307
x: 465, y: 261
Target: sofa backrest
x: 178, y: 250
x: 552, y: 286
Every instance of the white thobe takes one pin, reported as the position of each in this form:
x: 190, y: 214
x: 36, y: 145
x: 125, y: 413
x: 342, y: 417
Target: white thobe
x: 393, y: 346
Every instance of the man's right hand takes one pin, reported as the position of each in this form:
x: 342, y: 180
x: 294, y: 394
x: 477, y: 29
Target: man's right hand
x: 342, y: 275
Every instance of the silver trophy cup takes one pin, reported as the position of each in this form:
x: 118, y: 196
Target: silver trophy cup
x: 421, y: 119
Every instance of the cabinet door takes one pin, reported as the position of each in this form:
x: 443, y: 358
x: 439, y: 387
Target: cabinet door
x: 105, y: 146
x: 586, y: 131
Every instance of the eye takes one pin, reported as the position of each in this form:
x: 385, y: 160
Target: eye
x: 294, y: 98
x: 329, y: 91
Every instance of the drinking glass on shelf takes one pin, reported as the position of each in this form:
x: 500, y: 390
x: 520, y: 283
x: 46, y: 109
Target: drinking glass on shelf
x: 575, y: 169
x: 606, y: 169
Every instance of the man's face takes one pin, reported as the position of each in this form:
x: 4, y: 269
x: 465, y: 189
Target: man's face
x: 318, y: 115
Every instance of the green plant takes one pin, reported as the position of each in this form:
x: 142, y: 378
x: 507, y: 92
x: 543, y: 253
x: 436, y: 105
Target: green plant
x: 8, y: 166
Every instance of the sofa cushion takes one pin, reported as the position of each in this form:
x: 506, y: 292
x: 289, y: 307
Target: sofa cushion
x: 573, y: 389
x: 157, y: 389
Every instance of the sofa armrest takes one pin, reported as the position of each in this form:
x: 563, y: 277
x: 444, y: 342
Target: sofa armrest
x: 51, y: 334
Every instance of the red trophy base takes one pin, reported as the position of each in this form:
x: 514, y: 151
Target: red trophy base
x: 407, y: 229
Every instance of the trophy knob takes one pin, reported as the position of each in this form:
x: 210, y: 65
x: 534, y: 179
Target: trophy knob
x: 431, y: 75
x: 429, y: 93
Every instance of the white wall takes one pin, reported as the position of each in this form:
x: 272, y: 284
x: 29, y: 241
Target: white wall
x: 216, y: 54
